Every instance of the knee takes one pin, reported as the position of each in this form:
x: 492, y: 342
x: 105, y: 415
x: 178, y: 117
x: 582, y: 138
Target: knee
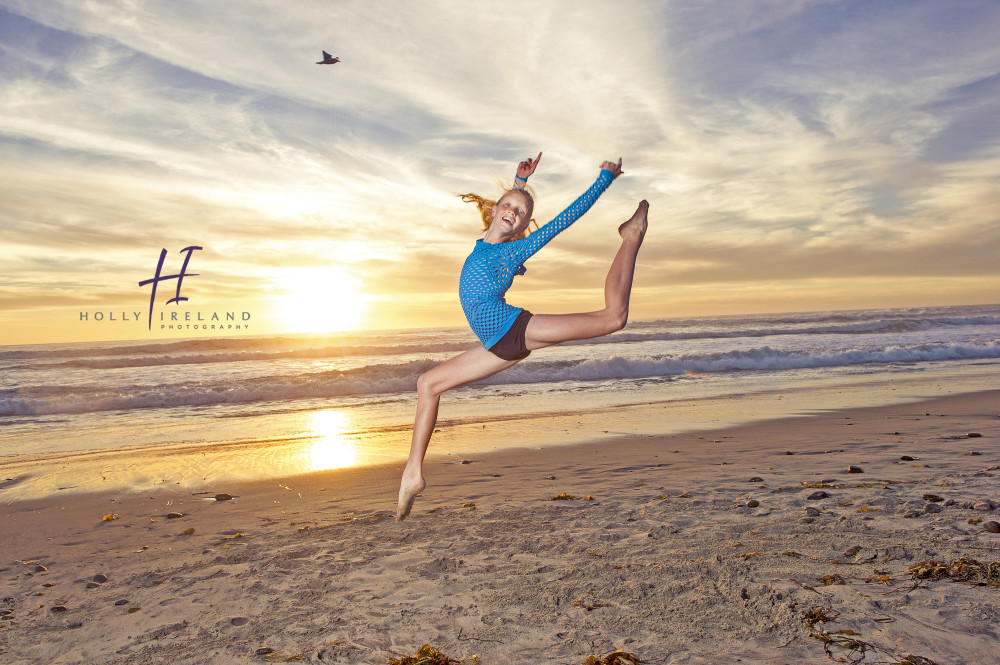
x: 617, y: 320
x: 427, y: 387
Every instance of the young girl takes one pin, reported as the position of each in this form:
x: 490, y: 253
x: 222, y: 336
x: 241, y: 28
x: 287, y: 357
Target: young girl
x: 508, y: 334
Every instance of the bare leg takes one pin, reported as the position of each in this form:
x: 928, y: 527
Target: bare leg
x: 543, y: 330
x: 472, y: 365
x: 548, y: 329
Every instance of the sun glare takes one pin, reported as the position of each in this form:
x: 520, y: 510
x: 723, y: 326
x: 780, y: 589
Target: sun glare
x: 331, y: 449
x: 319, y: 300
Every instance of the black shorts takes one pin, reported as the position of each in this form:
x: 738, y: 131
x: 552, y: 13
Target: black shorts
x: 511, y: 346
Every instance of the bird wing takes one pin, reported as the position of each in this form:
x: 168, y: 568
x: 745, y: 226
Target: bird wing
x: 326, y: 56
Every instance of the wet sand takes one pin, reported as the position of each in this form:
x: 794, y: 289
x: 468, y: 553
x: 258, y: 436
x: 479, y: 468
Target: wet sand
x: 692, y: 547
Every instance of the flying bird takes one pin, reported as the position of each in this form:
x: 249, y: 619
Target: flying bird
x: 328, y: 59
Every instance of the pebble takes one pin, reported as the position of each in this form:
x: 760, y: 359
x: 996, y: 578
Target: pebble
x: 58, y: 608
x: 855, y: 469
x: 975, y: 453
x: 263, y: 651
x: 992, y: 527
x: 223, y: 497
x: 816, y: 496
x: 41, y: 569
x: 239, y: 621
x: 753, y: 503
x: 173, y: 516
x: 983, y: 505
x: 910, y: 514
x: 908, y: 458
x: 100, y: 578
x: 811, y: 512
x: 932, y: 508
x: 851, y: 551
x: 933, y: 498
x: 123, y: 601
x: 755, y: 479
x: 974, y: 435
x: 93, y: 585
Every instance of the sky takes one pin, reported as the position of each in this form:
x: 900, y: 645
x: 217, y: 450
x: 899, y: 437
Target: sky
x: 797, y: 155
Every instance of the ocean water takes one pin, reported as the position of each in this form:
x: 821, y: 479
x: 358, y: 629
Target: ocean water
x: 298, y: 403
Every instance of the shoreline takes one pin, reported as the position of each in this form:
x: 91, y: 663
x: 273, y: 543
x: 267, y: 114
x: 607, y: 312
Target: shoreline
x: 318, y: 440
x: 670, y: 559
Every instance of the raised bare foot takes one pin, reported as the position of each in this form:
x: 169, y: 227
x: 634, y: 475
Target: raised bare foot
x: 636, y: 226
x: 409, y: 488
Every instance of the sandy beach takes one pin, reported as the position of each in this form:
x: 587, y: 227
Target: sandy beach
x: 754, y: 543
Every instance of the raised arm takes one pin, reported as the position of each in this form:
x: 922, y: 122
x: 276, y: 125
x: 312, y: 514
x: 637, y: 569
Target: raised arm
x: 524, y: 171
x: 538, y: 239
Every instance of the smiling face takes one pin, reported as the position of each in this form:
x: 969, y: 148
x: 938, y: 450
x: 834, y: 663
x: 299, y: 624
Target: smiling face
x: 511, y: 215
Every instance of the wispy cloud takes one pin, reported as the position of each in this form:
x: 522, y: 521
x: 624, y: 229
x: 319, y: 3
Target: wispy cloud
x: 775, y: 140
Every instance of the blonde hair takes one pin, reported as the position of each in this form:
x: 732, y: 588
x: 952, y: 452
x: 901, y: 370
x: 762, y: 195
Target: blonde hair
x: 486, y: 209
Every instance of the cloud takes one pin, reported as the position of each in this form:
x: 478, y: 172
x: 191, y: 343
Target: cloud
x: 779, y: 141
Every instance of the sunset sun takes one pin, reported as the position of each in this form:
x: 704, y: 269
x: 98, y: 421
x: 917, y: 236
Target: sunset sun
x: 318, y: 300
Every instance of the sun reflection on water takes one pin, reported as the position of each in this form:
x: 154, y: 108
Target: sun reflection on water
x: 331, y: 448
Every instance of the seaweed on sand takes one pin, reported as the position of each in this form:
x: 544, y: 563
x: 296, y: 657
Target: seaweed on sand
x: 853, y: 649
x: 618, y: 657
x: 428, y: 655
x: 965, y: 570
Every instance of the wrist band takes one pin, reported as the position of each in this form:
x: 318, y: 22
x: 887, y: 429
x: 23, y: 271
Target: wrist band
x: 517, y: 177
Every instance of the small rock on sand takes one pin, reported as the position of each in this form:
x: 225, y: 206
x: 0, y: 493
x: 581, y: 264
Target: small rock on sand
x: 816, y: 496
x: 755, y: 479
x: 985, y: 506
x: 908, y: 458
x: 932, y: 508
x: 855, y: 469
x: 223, y: 496
x: 811, y: 512
x: 851, y: 551
x: 753, y: 503
x: 100, y: 578
x: 933, y: 498
x: 173, y: 516
x: 41, y: 569
x: 992, y: 527
x: 239, y: 621
x: 123, y: 601
x: 974, y: 435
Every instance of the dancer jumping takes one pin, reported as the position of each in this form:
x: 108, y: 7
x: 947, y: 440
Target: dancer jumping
x: 508, y: 334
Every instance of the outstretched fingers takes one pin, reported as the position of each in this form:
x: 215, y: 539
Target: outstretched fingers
x: 616, y: 169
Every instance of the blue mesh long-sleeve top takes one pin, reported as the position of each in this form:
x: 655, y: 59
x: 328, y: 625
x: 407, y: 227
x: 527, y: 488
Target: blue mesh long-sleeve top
x: 490, y: 269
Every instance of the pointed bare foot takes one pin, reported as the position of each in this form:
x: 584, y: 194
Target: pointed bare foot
x: 409, y: 488
x: 636, y: 226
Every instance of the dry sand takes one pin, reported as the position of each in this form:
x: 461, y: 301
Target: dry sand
x: 667, y: 561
